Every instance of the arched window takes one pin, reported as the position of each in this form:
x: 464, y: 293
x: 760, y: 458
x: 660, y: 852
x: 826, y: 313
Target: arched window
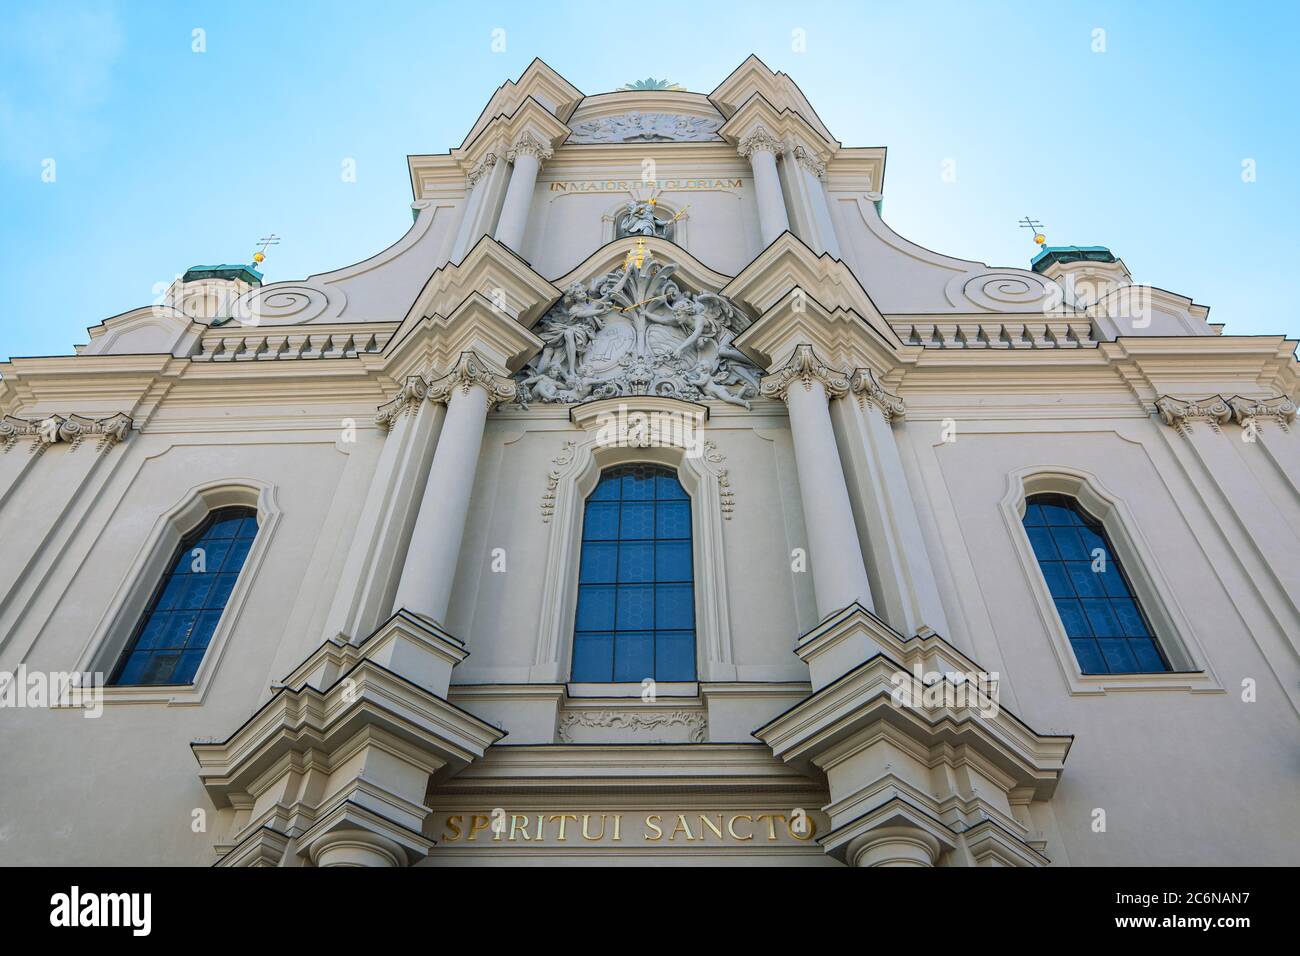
x: 1105, y: 623
x: 173, y: 634
x: 636, y: 597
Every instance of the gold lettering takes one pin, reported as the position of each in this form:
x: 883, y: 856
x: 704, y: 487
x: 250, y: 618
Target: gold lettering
x: 706, y: 822
x: 453, y: 829
x: 652, y: 820
x: 731, y: 827
x: 682, y: 826
x: 588, y: 836
x: 771, y: 819
x: 563, y: 817
x: 475, y: 825
x: 618, y: 827
x: 515, y: 825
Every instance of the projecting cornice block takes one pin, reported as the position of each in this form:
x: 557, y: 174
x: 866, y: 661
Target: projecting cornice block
x: 804, y: 298
x: 790, y: 127
x: 538, y: 81
x: 754, y: 77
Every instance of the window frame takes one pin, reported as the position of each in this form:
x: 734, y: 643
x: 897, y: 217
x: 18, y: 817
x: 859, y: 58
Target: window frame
x: 607, y: 474
x: 116, y: 627
x: 187, y: 543
x: 1173, y: 630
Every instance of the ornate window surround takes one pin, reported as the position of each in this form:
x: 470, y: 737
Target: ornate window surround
x: 574, y: 481
x: 1191, y: 668
x: 116, y: 626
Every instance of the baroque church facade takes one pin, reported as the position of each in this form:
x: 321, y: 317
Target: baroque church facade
x: 651, y: 501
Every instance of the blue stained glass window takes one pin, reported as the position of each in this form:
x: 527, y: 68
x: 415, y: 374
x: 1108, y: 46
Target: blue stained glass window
x: 636, y: 596
x: 1094, y: 598
x: 173, y: 635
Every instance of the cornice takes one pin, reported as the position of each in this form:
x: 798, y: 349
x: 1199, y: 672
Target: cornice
x: 758, y: 124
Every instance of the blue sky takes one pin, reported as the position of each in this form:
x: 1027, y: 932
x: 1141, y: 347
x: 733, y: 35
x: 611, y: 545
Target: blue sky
x: 166, y: 158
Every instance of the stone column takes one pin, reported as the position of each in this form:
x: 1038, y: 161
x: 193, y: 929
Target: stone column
x: 478, y: 208
x: 810, y: 173
x: 761, y: 149
x: 839, y: 573
x: 470, y: 389
x: 526, y: 156
x: 356, y: 848
x: 894, y: 846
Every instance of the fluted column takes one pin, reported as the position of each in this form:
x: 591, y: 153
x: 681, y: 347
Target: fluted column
x: 839, y: 573
x: 470, y: 389
x: 761, y: 149
x: 526, y: 156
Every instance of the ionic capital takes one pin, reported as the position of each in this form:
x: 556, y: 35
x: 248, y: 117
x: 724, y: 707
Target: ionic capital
x: 407, y: 399
x: 804, y: 368
x: 1179, y: 413
x: 810, y: 162
x: 1280, y: 410
x: 468, y: 372
x: 56, y: 428
x: 760, y: 140
x: 480, y: 169
x: 864, y: 385
x: 530, y: 145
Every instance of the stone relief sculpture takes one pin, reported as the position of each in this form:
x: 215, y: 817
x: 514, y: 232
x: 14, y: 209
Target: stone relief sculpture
x: 640, y: 218
x: 637, y: 332
x: 646, y: 128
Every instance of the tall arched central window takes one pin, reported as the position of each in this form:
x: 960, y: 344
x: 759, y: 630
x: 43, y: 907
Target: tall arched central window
x: 173, y: 635
x: 636, y: 597
x: 1105, y: 623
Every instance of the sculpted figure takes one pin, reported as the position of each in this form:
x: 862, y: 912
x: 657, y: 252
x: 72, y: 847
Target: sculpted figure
x: 639, y: 219
x: 714, y: 385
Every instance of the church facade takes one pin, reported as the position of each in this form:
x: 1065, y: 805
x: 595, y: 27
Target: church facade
x: 652, y: 501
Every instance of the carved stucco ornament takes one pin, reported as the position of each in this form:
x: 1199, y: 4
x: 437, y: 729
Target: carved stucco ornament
x: 694, y: 722
x: 1181, y: 413
x: 529, y: 144
x: 867, y: 389
x: 1280, y: 410
x: 635, y: 127
x: 72, y: 429
x: 804, y: 368
x: 480, y: 169
x: 760, y: 140
x: 407, y: 399
x: 810, y: 162
x: 635, y: 331
x: 470, y: 370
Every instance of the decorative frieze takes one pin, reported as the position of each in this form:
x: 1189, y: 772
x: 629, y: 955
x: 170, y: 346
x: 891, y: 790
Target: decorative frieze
x: 72, y: 429
x: 1180, y: 413
x: 646, y: 128
x: 408, y: 399
x: 804, y: 368
x: 635, y: 722
x: 1280, y: 410
x: 469, y: 371
x: 760, y: 140
x: 867, y: 389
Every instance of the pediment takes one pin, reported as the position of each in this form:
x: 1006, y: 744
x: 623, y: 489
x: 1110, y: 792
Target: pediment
x: 689, y: 272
